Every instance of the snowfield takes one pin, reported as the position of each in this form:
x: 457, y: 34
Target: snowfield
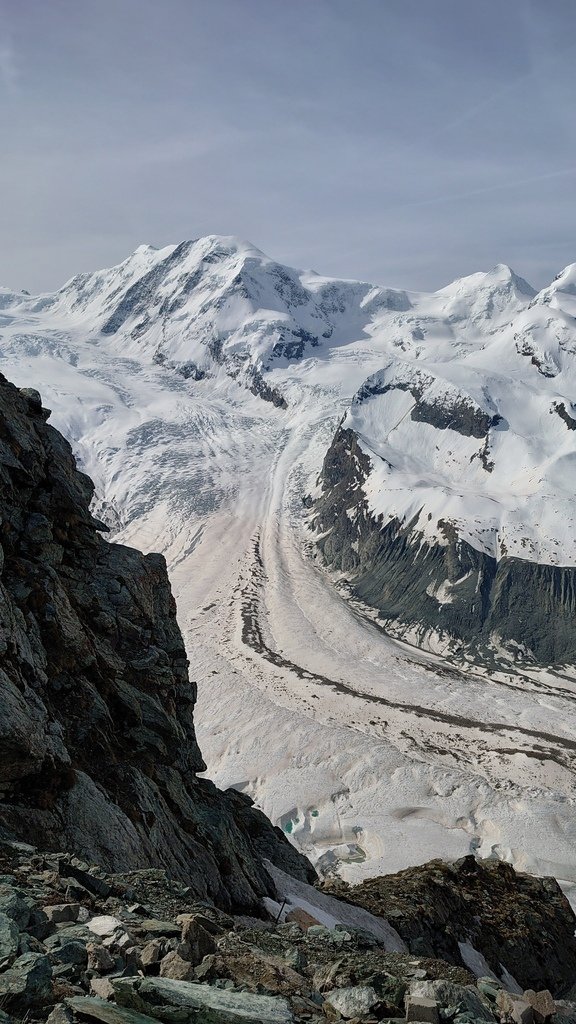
x: 370, y: 754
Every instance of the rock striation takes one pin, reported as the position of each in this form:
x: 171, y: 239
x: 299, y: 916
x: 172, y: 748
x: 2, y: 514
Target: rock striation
x: 97, y: 746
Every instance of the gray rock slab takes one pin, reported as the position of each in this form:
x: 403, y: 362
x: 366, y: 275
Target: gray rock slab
x: 163, y: 996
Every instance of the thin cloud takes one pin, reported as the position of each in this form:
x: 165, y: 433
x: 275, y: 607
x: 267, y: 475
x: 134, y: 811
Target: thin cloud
x: 498, y: 187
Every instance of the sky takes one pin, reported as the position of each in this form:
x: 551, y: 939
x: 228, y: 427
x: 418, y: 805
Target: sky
x: 403, y: 142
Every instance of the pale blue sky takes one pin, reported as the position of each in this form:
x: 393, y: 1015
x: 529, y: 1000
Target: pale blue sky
x: 405, y: 142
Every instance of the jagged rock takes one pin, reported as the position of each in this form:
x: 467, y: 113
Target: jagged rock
x: 80, y: 1009
x: 160, y: 929
x: 67, y: 934
x: 515, y: 921
x: 26, y: 983
x: 99, y: 959
x: 465, y: 998
x: 489, y: 987
x: 252, y: 971
x: 542, y: 1004
x: 514, y: 1009
x: 302, y: 918
x: 101, y: 987
x: 104, y: 925
x: 63, y: 912
x: 97, y: 745
x: 422, y: 1008
x: 565, y: 1012
x: 197, y: 938
x: 163, y: 997
x: 97, y: 886
x: 353, y: 1002
x: 9, y: 939
x: 14, y: 903
x: 70, y: 953
x: 174, y: 966
x: 152, y: 952
x: 61, y: 1014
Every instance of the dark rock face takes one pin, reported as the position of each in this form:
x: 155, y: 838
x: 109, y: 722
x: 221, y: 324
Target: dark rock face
x: 459, y: 414
x: 525, y: 924
x: 530, y: 608
x: 97, y: 746
x: 563, y: 413
x: 262, y: 389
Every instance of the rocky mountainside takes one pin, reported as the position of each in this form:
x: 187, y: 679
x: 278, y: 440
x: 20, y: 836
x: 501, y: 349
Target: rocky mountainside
x: 454, y: 911
x: 97, y: 746
x: 78, y: 944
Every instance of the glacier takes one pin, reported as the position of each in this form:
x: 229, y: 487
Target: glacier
x: 369, y: 751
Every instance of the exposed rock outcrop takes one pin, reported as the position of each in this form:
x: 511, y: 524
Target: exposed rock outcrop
x: 142, y: 949
x: 447, y: 590
x: 97, y: 745
x: 522, y: 926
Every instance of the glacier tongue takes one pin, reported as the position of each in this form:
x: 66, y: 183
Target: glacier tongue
x: 372, y: 755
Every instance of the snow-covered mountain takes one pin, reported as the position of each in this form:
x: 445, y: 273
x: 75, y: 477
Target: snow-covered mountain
x: 448, y: 415
x: 458, y: 463
x: 212, y: 302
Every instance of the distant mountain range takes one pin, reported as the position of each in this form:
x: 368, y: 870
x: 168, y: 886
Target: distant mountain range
x: 447, y: 495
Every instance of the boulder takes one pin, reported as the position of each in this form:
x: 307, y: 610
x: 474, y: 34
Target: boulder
x: 465, y: 998
x: 422, y: 1009
x: 63, y: 912
x: 102, y: 988
x: 196, y: 936
x: 93, y: 884
x: 73, y: 952
x: 99, y: 959
x: 87, y: 1009
x: 160, y: 929
x: 170, y: 1000
x: 9, y: 939
x: 301, y: 917
x: 514, y: 1009
x: 354, y: 1001
x: 152, y: 952
x: 174, y: 966
x: 26, y: 983
x: 565, y: 1012
x: 16, y: 905
x: 542, y: 1004
x: 105, y: 925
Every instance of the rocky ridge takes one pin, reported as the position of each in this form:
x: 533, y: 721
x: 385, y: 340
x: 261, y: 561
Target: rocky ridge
x: 97, y: 746
x: 448, y: 910
x: 78, y: 944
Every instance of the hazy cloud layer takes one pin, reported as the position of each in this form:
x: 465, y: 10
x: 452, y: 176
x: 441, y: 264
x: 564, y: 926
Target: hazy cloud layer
x: 401, y: 141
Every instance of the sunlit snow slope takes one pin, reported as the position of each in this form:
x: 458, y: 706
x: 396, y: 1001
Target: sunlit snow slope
x: 371, y: 754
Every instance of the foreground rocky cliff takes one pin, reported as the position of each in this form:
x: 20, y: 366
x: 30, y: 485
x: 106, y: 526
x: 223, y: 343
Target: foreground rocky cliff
x: 97, y: 747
